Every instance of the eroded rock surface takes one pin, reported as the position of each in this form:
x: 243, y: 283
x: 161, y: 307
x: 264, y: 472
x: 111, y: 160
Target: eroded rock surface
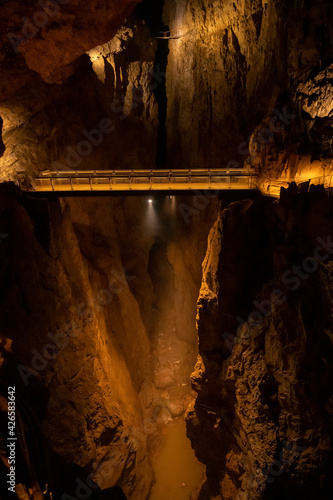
x: 262, y: 419
x: 73, y: 356
x: 92, y: 338
x: 228, y: 67
x: 47, y: 37
x: 82, y: 124
x: 315, y: 97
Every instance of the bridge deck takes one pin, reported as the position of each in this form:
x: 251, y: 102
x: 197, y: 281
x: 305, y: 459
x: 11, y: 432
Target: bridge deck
x: 144, y: 180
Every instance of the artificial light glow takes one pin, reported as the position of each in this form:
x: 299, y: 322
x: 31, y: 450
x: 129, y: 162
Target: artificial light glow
x: 150, y: 200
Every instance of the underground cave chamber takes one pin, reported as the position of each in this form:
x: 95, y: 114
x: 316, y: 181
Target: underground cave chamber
x: 166, y: 250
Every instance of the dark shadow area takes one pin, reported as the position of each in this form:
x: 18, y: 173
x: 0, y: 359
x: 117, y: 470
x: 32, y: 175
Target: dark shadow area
x: 152, y: 12
x: 39, y: 214
x: 2, y: 146
x: 115, y: 493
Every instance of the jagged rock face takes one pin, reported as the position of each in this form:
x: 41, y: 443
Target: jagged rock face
x: 315, y: 98
x: 262, y: 420
x: 214, y: 72
x: 229, y: 66
x: 2, y: 146
x: 294, y: 141
x: 82, y: 124
x: 316, y: 95
x: 88, y: 380
x: 224, y: 75
x: 46, y: 37
x: 98, y: 302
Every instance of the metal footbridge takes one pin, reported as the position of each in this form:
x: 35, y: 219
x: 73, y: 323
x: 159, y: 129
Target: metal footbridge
x: 142, y: 180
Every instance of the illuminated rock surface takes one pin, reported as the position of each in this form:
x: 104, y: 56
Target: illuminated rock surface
x: 100, y: 397
x: 247, y: 82
x: 52, y: 39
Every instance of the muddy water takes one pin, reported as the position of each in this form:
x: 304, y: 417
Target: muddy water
x: 177, y: 470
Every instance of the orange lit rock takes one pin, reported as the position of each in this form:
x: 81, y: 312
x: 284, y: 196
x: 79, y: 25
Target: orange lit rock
x: 51, y: 42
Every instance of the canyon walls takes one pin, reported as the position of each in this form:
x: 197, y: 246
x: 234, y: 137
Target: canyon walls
x: 112, y: 284
x: 262, y: 419
x: 87, y: 381
x: 233, y: 63
x: 45, y: 38
x: 83, y: 123
x: 229, y: 68
x: 98, y: 332
x: 229, y: 54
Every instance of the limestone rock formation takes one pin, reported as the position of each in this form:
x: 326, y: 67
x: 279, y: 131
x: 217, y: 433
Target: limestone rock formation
x: 262, y: 419
x: 78, y: 354
x: 48, y: 36
x: 228, y: 67
x: 315, y: 97
x: 81, y: 124
x: 99, y: 347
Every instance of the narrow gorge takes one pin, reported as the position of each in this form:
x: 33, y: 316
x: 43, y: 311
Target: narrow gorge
x: 166, y: 343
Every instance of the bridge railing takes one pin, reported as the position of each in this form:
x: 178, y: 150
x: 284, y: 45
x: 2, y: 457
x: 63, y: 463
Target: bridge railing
x: 144, y: 180
x: 139, y: 173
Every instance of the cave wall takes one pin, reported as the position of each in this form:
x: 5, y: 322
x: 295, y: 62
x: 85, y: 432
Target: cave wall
x: 228, y: 52
x: 233, y: 63
x: 294, y: 141
x: 262, y: 419
x: 46, y: 38
x: 82, y: 123
x: 232, y: 66
x: 93, y: 377
x: 84, y: 313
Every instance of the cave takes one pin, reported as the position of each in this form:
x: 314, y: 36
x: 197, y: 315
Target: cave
x: 166, y: 250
